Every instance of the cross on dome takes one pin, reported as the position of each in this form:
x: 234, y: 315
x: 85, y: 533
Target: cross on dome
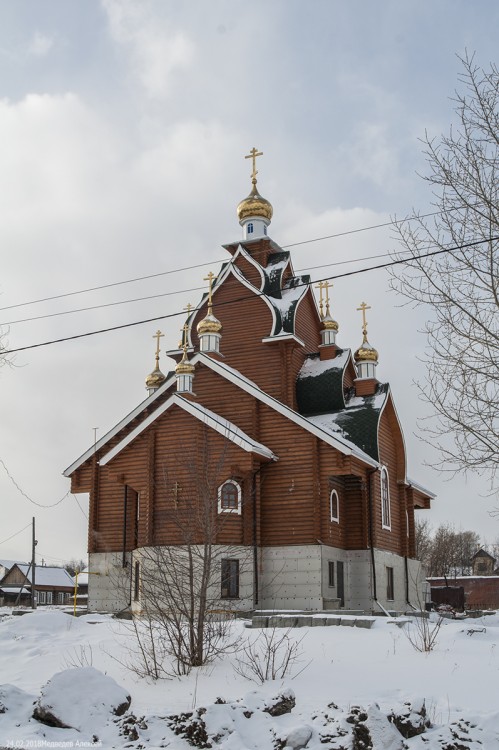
x: 253, y: 154
x: 363, y: 307
x: 156, y: 377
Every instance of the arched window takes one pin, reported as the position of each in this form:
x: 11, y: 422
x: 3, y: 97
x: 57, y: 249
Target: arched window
x: 229, y: 497
x: 334, y: 506
x: 385, y: 499
x: 250, y: 228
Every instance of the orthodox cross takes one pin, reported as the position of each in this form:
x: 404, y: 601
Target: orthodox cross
x: 253, y: 155
x: 175, y: 492
x: 209, y: 279
x: 320, y: 287
x: 158, y: 335
x: 188, y: 307
x: 327, y: 286
x: 363, y: 307
x: 184, y: 342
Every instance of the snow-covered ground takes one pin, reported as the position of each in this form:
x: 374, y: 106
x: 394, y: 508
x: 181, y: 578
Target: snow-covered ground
x: 339, y: 668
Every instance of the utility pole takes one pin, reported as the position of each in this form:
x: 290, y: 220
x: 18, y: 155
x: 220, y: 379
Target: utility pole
x: 33, y: 567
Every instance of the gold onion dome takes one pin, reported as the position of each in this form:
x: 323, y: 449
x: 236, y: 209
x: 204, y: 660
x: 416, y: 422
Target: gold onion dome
x: 254, y: 205
x: 366, y: 352
x: 329, y: 324
x: 155, y: 378
x: 184, y: 367
x: 210, y: 324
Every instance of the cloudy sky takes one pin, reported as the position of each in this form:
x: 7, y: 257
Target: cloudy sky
x: 123, y: 127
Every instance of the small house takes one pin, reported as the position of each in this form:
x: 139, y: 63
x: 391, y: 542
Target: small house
x: 52, y: 585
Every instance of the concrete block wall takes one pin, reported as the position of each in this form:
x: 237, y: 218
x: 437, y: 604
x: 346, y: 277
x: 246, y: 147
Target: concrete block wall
x: 109, y: 590
x: 385, y: 559
x: 290, y: 577
x: 112, y: 589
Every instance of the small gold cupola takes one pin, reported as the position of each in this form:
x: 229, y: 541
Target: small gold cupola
x: 156, y: 377
x: 209, y: 329
x: 184, y: 371
x: 366, y: 356
x: 254, y: 212
x: 329, y: 326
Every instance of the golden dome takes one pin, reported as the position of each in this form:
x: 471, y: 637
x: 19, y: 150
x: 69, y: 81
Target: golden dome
x: 184, y: 367
x: 329, y: 324
x: 155, y: 378
x: 254, y: 205
x: 366, y: 353
x: 210, y: 324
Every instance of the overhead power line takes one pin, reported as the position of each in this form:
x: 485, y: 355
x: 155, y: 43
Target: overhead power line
x: 4, y: 541
x: 178, y: 291
x: 203, y: 265
x: 39, y: 505
x: 240, y: 299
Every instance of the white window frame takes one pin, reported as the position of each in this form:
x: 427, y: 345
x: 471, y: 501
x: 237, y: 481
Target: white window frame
x: 384, y: 482
x: 49, y: 597
x: 237, y: 510
x: 41, y: 597
x: 332, y: 517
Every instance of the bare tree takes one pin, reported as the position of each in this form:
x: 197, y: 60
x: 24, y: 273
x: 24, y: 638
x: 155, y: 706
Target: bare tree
x: 448, y: 552
x: 5, y: 359
x: 183, y: 587
x: 461, y: 286
x: 74, y: 565
x: 423, y: 538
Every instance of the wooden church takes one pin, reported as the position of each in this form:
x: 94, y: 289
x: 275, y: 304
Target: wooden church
x: 270, y: 444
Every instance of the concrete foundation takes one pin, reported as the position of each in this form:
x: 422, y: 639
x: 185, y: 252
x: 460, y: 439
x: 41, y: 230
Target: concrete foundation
x: 290, y: 578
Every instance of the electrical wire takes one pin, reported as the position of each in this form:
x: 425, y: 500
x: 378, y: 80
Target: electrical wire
x: 4, y: 541
x: 39, y: 505
x: 241, y: 299
x: 179, y: 291
x: 79, y: 506
x: 202, y: 265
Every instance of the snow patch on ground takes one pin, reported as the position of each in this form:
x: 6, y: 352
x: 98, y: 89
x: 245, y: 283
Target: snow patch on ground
x: 376, y: 670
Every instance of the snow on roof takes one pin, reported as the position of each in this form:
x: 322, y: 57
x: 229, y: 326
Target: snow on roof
x: 336, y: 440
x: 15, y: 589
x: 313, y: 366
x: 359, y: 402
x: 420, y: 487
x: 47, y: 576
x: 328, y: 423
x: 9, y: 563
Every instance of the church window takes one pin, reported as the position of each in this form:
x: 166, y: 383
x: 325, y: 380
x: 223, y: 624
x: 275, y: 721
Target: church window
x: 385, y: 499
x: 229, y: 497
x: 334, y: 506
x: 331, y: 573
x: 250, y: 228
x: 390, y: 591
x: 230, y: 579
